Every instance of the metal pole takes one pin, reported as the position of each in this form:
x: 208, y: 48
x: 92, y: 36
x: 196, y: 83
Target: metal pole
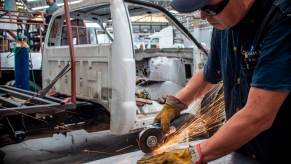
x: 72, y: 52
x: 40, y: 41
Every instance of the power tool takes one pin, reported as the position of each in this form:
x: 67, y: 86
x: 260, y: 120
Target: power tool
x: 153, y: 136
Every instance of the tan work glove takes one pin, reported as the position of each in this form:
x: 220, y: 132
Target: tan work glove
x: 180, y: 156
x: 189, y: 155
x: 170, y: 111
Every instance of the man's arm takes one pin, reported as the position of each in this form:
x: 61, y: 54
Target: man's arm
x: 195, y: 88
x: 257, y: 116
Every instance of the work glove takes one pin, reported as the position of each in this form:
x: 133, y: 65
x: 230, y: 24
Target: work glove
x: 191, y: 155
x: 170, y: 110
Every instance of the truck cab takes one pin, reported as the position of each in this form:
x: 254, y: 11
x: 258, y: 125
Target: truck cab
x: 114, y: 68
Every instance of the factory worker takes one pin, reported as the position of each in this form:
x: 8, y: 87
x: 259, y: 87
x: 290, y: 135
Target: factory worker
x: 50, y: 10
x: 251, y: 55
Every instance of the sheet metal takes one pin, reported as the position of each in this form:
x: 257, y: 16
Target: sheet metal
x: 132, y: 158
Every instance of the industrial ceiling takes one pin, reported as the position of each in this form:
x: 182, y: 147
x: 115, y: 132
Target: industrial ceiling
x: 39, y: 5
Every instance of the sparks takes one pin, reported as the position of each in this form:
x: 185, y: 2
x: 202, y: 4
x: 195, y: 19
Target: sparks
x: 210, y: 117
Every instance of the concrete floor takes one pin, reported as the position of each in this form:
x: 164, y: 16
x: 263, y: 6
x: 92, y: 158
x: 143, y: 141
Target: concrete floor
x: 76, y: 147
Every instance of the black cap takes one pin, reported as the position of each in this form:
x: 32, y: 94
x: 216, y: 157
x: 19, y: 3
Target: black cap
x: 187, y: 6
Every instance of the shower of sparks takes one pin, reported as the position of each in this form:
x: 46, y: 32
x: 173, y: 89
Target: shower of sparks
x: 210, y: 118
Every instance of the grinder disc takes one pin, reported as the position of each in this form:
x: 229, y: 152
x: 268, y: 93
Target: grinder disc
x: 150, y: 138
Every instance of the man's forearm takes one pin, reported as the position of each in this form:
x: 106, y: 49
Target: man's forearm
x: 258, y: 115
x: 235, y: 133
x: 195, y: 88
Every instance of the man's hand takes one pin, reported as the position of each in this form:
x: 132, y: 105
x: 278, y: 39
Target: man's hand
x: 166, y: 116
x: 171, y: 110
x: 180, y: 156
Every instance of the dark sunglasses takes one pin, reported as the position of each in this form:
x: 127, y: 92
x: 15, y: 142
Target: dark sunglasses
x: 213, y: 10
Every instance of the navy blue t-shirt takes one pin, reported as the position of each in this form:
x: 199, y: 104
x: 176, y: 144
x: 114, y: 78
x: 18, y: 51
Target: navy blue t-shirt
x: 269, y: 69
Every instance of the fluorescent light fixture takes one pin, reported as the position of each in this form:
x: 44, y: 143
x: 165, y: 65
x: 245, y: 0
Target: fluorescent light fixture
x: 71, y: 3
x: 60, y: 5
x: 92, y: 25
x: 32, y: 0
x: 40, y: 8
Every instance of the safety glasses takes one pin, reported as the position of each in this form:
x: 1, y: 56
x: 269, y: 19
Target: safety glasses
x: 213, y: 10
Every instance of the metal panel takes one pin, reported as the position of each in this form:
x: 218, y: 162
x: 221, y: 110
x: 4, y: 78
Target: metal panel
x: 132, y: 158
x: 123, y: 106
x: 93, y: 74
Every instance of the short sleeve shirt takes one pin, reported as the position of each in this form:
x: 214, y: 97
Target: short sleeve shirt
x: 270, y: 70
x: 52, y: 8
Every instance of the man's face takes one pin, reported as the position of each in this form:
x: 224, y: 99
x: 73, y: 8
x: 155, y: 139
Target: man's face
x: 50, y: 1
x: 231, y: 15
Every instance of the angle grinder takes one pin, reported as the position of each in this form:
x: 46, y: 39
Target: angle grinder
x: 152, y: 136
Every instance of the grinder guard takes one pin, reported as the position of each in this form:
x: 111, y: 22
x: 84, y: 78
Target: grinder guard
x: 151, y: 137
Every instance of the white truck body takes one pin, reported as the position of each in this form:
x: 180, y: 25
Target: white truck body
x: 164, y: 39
x: 106, y: 71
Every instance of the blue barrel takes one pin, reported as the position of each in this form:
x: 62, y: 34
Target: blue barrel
x: 22, y: 68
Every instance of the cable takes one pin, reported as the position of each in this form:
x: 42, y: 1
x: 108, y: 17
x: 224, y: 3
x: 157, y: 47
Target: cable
x: 32, y: 71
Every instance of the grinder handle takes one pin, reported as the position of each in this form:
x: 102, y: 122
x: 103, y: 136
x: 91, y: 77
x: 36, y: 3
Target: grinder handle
x: 182, y: 119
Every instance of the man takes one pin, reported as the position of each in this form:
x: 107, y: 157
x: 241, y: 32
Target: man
x: 49, y: 11
x: 251, y: 54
